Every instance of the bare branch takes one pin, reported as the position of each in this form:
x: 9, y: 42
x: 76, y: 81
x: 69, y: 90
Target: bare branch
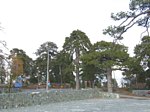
x: 141, y: 36
x: 4, y: 44
x: 147, y: 27
x: 126, y: 29
x: 1, y: 28
x: 131, y: 23
x: 130, y: 26
x: 124, y: 21
x: 134, y: 18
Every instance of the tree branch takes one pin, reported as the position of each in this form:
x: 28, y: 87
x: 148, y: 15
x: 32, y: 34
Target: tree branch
x: 131, y: 23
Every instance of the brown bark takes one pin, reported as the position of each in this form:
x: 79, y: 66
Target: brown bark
x: 77, y: 69
x: 109, y: 80
x: 85, y: 84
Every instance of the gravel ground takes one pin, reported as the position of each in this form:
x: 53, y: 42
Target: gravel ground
x: 90, y: 105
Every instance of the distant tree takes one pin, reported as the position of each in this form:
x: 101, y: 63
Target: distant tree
x: 138, y: 14
x: 75, y: 45
x: 134, y: 73
x: 64, y: 68
x: 2, y: 69
x: 90, y: 71
x: 22, y: 63
x: 41, y: 61
x: 3, y: 61
x: 17, y: 66
x: 107, y: 56
x: 142, y: 53
x: 33, y: 78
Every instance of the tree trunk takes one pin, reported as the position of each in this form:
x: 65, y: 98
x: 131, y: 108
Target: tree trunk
x: 93, y: 84
x: 77, y: 81
x: 60, y: 73
x: 85, y: 84
x: 77, y: 69
x: 90, y: 85
x: 109, y: 80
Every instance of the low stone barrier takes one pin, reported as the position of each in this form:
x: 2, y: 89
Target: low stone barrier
x: 14, y: 100
x: 141, y: 92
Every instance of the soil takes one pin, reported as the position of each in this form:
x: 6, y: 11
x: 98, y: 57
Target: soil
x: 124, y: 91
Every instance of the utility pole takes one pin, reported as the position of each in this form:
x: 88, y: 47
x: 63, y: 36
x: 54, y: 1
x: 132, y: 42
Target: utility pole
x: 47, y: 81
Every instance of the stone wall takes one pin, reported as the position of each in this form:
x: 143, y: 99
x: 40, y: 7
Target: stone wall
x: 141, y: 92
x: 24, y: 99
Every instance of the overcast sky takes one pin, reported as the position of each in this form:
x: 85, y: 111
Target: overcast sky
x: 29, y: 23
